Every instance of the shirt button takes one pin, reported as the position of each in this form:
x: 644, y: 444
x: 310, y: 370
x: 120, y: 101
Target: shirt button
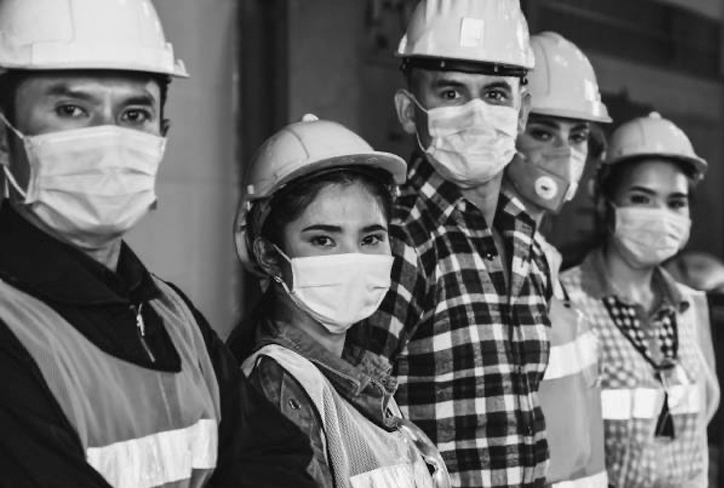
x: 489, y: 256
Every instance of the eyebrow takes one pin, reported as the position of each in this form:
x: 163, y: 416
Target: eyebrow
x: 63, y: 90
x: 338, y: 229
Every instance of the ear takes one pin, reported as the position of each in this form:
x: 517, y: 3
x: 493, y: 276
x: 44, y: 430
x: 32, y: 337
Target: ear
x: 524, y: 111
x: 405, y: 110
x: 267, y: 257
x: 165, y: 126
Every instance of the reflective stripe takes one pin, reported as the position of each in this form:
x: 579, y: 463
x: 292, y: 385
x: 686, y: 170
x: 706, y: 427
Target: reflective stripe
x: 572, y: 357
x: 157, y: 459
x: 646, y: 403
x: 599, y: 480
x: 397, y: 476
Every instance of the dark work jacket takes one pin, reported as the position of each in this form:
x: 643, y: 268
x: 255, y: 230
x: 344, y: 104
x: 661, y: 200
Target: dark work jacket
x: 38, y: 445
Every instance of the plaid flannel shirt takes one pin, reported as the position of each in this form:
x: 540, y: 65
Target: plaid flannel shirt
x: 469, y: 350
x: 634, y: 457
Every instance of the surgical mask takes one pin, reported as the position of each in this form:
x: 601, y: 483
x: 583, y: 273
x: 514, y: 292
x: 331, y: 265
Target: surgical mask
x: 338, y: 290
x: 536, y: 179
x: 90, y: 185
x: 649, y: 236
x: 472, y: 143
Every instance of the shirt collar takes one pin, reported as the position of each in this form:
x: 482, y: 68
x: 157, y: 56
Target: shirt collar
x: 43, y: 266
x: 444, y: 196
x: 368, y: 386
x: 596, y: 283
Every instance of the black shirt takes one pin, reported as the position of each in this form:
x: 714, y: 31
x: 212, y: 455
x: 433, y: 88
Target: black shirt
x: 38, y: 445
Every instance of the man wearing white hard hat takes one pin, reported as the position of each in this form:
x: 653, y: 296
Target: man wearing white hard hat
x: 465, y: 322
x: 565, y: 101
x: 108, y: 375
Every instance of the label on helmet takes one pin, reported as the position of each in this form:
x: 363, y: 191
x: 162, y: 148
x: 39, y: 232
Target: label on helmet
x: 471, y: 32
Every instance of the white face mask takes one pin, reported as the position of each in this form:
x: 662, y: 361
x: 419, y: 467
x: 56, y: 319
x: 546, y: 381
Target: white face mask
x: 470, y: 143
x: 648, y: 236
x: 537, y: 178
x: 339, y: 290
x: 91, y: 185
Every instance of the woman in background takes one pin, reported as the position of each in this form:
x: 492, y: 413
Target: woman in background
x: 658, y: 391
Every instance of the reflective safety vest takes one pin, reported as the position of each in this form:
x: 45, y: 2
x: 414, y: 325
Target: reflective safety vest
x: 570, y: 394
x: 632, y: 399
x: 361, y: 454
x: 140, y: 428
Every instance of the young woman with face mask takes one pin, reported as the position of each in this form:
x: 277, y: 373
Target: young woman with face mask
x: 313, y: 224
x: 657, y: 389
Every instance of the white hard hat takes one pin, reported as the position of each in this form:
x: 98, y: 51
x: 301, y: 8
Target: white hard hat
x: 85, y: 34
x: 652, y: 136
x: 563, y: 83
x: 300, y: 149
x: 468, y: 35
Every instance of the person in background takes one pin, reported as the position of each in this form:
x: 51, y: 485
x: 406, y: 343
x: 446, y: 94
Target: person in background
x: 545, y: 173
x: 314, y: 224
x: 108, y: 375
x: 658, y: 389
x: 465, y: 324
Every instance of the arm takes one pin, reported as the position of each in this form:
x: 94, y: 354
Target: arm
x: 38, y: 445
x: 296, y: 449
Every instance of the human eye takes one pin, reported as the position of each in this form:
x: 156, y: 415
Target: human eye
x: 322, y: 241
x: 70, y: 111
x: 678, y: 203
x: 580, y: 137
x: 498, y: 96
x: 137, y: 116
x: 639, y: 199
x: 539, y: 134
x: 449, y: 94
x: 374, y: 239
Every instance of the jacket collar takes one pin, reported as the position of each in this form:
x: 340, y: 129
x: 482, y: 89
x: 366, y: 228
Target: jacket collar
x: 368, y: 386
x: 45, y: 267
x: 596, y: 283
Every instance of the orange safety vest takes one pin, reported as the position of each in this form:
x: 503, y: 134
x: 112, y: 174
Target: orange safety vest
x: 140, y: 428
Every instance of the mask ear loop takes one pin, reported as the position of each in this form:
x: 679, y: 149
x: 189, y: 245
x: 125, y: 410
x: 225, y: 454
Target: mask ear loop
x: 5, y: 164
x: 419, y: 105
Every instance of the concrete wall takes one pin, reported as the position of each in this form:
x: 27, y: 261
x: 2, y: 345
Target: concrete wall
x: 188, y: 239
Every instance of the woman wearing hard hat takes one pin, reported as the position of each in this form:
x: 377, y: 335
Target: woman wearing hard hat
x: 313, y: 223
x: 545, y: 174
x: 658, y: 392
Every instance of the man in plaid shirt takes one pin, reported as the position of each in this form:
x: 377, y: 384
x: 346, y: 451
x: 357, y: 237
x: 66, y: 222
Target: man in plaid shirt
x: 465, y: 322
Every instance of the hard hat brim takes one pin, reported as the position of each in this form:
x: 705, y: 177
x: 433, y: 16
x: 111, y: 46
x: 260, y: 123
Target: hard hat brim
x: 699, y: 164
x: 572, y: 114
x: 391, y: 163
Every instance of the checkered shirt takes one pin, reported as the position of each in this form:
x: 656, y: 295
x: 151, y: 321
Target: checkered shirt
x: 634, y: 457
x: 469, y: 351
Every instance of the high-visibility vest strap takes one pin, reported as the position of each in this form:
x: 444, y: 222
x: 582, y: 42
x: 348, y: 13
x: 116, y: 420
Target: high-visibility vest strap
x: 646, y: 403
x: 572, y: 357
x: 598, y: 480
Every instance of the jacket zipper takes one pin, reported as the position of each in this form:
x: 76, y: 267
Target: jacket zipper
x: 141, y: 326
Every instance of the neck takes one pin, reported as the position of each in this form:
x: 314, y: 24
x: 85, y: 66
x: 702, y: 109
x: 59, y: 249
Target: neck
x: 485, y: 197
x: 289, y: 310
x: 630, y: 282
x: 107, y: 254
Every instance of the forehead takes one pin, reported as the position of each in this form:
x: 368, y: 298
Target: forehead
x: 87, y: 83
x: 473, y: 81
x: 656, y: 174
x: 341, y: 203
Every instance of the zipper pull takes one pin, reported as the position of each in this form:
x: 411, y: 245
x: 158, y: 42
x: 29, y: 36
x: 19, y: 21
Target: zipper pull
x: 142, y: 332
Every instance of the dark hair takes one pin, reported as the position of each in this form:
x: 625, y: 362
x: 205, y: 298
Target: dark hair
x: 290, y: 202
x: 10, y: 81
x: 611, y: 177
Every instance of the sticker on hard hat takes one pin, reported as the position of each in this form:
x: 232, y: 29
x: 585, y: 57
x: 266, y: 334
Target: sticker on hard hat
x: 546, y: 187
x: 471, y: 32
